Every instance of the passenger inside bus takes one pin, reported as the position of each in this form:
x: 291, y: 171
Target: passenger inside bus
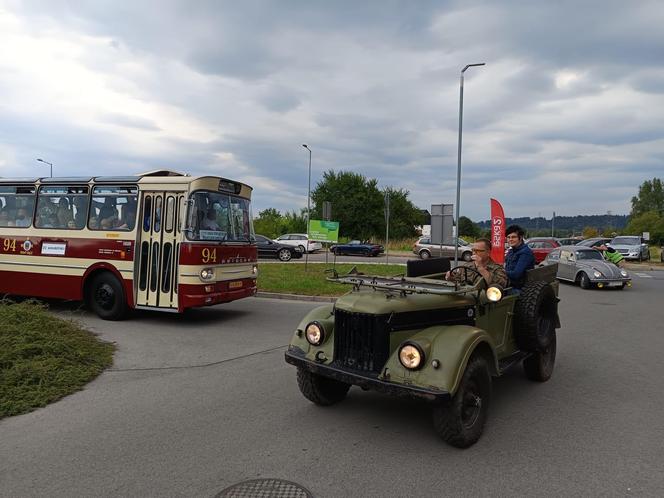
x: 64, y: 216
x: 22, y: 218
x: 4, y: 218
x: 210, y: 221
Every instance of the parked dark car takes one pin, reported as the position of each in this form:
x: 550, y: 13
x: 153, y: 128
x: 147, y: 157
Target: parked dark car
x: 594, y: 242
x: 357, y: 247
x: 587, y: 267
x: 541, y: 246
x: 569, y: 241
x: 268, y: 248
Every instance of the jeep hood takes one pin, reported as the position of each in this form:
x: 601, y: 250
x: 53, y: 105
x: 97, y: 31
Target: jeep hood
x: 379, y: 303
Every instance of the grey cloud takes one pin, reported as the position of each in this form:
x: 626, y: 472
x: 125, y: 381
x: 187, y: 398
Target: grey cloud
x: 130, y: 121
x: 280, y: 99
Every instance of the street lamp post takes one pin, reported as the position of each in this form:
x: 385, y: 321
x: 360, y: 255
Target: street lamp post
x: 458, y: 189
x: 306, y: 252
x: 46, y: 162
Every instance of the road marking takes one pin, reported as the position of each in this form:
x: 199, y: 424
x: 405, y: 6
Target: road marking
x: 643, y: 275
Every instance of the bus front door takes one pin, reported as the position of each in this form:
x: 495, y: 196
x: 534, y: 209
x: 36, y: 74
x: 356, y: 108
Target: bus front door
x: 157, y: 267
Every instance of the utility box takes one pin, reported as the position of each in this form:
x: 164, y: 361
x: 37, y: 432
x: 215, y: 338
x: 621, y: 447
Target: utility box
x: 442, y: 224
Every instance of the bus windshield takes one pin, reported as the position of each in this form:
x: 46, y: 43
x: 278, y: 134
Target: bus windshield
x: 220, y: 217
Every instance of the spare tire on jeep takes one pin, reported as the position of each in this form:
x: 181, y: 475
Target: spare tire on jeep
x: 535, y: 316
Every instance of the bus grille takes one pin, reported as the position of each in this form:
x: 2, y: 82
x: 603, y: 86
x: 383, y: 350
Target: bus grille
x: 361, y: 341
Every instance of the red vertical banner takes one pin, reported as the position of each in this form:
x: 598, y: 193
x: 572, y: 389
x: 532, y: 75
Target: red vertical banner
x: 497, y: 232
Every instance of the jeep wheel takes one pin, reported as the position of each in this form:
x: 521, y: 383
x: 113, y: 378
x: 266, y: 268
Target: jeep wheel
x: 467, y: 256
x: 461, y: 422
x: 425, y: 254
x: 535, y: 316
x: 284, y: 254
x: 584, y: 281
x: 320, y: 390
x: 539, y: 366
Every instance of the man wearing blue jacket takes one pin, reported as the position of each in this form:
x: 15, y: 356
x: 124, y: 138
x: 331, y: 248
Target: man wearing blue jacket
x: 519, y: 257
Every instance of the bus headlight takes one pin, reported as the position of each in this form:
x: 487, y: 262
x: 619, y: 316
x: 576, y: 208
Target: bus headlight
x: 254, y: 270
x: 315, y: 333
x: 207, y: 273
x: 494, y: 293
x: 411, y: 356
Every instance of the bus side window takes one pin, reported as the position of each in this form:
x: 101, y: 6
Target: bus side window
x: 147, y: 214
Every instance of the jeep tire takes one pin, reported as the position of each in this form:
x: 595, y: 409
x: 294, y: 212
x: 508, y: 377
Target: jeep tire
x: 461, y: 422
x: 321, y: 390
x: 535, y: 316
x: 539, y: 366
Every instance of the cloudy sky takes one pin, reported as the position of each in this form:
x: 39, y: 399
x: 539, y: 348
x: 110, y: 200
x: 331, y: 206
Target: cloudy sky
x: 567, y: 115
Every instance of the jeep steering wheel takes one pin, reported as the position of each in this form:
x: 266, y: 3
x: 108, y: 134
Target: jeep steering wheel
x: 465, y: 269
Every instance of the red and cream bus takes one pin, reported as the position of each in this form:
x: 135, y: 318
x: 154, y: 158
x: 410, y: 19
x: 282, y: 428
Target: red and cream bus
x: 159, y: 240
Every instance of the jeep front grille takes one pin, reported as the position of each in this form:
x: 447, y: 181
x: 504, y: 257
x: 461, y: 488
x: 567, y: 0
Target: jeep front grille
x: 361, y: 341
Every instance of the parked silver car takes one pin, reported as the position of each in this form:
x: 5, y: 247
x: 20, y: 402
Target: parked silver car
x: 300, y: 241
x: 587, y: 267
x: 425, y: 249
x: 631, y: 247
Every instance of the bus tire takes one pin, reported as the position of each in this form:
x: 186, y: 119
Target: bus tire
x: 107, y: 297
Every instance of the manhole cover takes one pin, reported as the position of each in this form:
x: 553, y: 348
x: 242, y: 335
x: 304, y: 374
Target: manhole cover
x: 265, y: 488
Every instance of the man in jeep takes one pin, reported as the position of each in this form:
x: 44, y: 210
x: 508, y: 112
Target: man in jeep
x: 519, y: 258
x: 484, y: 266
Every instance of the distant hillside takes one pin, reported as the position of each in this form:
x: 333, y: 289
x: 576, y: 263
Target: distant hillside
x: 570, y: 224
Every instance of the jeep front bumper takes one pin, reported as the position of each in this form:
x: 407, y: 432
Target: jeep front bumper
x: 365, y: 380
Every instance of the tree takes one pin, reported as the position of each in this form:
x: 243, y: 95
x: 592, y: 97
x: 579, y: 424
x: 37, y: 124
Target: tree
x: 357, y: 204
x: 650, y: 198
x: 404, y: 215
x: 590, y: 232
x: 468, y: 228
x: 270, y: 223
x: 650, y: 221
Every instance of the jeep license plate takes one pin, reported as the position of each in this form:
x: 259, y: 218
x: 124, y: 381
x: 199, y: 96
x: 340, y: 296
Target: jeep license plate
x: 235, y: 285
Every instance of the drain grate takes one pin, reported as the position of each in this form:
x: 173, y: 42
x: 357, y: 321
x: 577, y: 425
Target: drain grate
x: 265, y: 488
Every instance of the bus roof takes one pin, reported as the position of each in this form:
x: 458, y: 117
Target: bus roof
x: 148, y: 177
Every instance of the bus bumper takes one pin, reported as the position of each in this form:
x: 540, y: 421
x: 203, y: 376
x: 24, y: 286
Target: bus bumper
x: 194, y: 296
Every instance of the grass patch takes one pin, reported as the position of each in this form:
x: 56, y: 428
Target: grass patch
x: 44, y: 358
x: 290, y: 278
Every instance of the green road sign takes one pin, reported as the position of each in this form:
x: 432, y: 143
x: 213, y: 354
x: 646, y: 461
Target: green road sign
x: 324, y: 231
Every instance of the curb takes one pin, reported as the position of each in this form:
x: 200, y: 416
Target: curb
x: 296, y: 297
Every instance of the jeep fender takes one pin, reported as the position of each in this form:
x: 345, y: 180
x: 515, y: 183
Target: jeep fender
x: 324, y: 315
x: 452, y: 346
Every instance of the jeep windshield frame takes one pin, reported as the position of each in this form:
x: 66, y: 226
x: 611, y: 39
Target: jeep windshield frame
x: 407, y: 285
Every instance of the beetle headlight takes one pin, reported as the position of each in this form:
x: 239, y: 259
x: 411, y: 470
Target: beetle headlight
x: 207, y: 274
x: 623, y: 273
x: 597, y: 274
x: 315, y: 333
x: 411, y: 356
x: 494, y: 293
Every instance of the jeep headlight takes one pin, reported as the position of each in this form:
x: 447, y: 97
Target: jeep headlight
x: 494, y: 293
x: 411, y: 356
x: 315, y: 333
x: 597, y: 274
x: 207, y: 273
x: 623, y: 273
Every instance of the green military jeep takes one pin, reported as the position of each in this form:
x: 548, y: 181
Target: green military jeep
x: 428, y: 338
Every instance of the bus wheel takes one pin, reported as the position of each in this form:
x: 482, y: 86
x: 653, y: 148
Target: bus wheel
x: 107, y: 297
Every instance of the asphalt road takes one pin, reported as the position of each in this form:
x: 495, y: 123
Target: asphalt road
x: 200, y: 401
